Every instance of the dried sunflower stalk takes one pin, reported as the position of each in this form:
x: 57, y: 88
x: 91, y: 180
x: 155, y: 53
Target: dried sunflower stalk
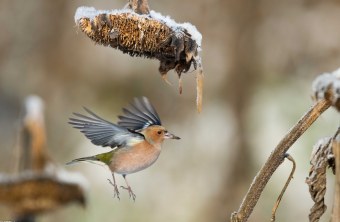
x: 150, y: 35
x: 31, y: 193
x: 40, y: 186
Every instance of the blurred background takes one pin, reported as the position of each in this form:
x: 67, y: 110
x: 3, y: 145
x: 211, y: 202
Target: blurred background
x: 259, y: 58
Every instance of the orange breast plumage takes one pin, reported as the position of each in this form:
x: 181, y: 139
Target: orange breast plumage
x: 134, y: 159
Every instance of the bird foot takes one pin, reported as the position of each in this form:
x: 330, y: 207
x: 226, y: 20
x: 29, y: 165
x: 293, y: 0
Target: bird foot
x: 115, y: 189
x: 131, y: 194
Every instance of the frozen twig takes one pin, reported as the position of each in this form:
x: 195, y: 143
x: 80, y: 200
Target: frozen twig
x: 327, y: 93
x: 289, y: 157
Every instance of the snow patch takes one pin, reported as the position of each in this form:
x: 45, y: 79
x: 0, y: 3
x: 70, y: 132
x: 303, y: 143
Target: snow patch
x: 72, y: 178
x: 91, y: 13
x: 319, y: 144
x: 326, y: 81
x: 34, y: 106
x: 192, y: 30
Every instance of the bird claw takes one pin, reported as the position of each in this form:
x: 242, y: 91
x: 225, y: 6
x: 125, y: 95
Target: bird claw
x: 131, y: 194
x: 115, y: 189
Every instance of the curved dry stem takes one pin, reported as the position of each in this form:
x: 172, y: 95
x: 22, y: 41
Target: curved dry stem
x: 289, y: 157
x: 275, y: 159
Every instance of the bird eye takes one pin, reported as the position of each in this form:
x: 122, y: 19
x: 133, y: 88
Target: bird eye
x: 159, y: 132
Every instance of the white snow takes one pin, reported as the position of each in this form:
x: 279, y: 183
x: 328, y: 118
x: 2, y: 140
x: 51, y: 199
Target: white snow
x: 34, y: 108
x: 336, y: 73
x: 91, y: 13
x: 325, y: 81
x: 330, y: 156
x: 321, y: 142
x: 72, y: 178
x: 192, y: 30
x: 59, y: 174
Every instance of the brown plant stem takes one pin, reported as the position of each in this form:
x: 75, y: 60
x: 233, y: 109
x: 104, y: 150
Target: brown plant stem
x: 275, y: 159
x: 139, y: 6
x: 336, y: 203
x: 277, y: 203
x: 199, y: 89
x: 34, y: 136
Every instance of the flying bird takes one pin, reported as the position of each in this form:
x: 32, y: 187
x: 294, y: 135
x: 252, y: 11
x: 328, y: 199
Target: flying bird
x: 136, y: 140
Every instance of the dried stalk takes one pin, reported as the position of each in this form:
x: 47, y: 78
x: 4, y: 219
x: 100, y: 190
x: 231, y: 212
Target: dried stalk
x: 139, y: 6
x: 30, y: 194
x: 40, y: 186
x: 34, y: 136
x: 275, y: 159
x: 289, y: 157
x: 336, y: 203
x: 199, y: 88
x: 326, y: 88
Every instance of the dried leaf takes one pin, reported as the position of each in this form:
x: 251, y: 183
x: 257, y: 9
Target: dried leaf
x: 322, y: 152
x: 336, y: 202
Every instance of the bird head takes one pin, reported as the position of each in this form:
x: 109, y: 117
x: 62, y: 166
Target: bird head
x: 156, y: 134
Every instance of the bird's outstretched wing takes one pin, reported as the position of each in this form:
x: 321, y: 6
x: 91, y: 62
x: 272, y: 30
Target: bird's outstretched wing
x: 139, y: 115
x: 104, y: 133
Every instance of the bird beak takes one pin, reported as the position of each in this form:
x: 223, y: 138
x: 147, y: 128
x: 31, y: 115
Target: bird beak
x: 168, y: 135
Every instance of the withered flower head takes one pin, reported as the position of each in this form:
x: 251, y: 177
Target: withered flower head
x: 151, y: 35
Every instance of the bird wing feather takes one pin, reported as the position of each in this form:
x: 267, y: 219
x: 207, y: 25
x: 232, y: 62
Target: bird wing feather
x: 140, y: 115
x: 104, y: 133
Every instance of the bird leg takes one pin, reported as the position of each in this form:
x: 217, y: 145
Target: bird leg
x: 128, y: 188
x: 115, y: 188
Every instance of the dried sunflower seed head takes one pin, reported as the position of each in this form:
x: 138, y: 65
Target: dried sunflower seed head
x: 151, y: 35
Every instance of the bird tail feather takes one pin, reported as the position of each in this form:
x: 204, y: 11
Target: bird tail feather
x: 89, y: 158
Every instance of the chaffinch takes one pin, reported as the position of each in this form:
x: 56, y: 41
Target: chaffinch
x: 136, y: 139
